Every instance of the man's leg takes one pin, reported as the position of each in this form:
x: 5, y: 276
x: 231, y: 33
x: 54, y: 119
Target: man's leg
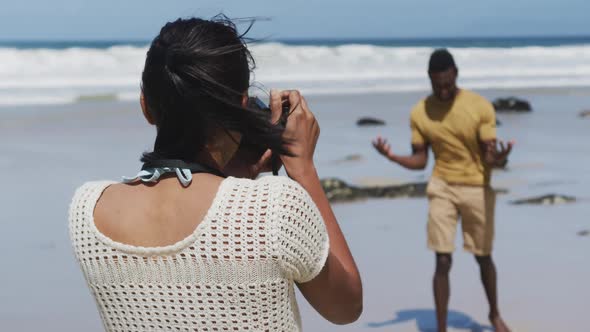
x: 477, y: 211
x: 441, y: 287
x: 442, y: 226
x: 488, y: 275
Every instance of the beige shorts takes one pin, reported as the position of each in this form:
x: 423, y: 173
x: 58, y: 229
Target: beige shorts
x: 474, y: 204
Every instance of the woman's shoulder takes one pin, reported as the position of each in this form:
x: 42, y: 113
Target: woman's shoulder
x: 275, y: 189
x: 82, y: 206
x: 93, y: 186
x: 270, y: 182
x: 278, y: 181
x: 288, y: 194
x: 88, y: 193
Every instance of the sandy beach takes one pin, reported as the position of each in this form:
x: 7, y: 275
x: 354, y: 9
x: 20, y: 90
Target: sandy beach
x: 543, y: 264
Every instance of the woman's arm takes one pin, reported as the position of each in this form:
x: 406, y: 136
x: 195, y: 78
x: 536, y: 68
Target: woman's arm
x: 336, y: 293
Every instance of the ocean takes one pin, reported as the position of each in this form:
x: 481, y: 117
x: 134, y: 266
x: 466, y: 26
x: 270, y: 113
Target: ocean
x: 45, y: 72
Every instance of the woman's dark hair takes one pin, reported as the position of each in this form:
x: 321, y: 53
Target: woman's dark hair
x: 196, y: 73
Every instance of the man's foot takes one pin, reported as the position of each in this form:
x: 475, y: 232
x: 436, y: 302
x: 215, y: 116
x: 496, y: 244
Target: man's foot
x: 498, y: 324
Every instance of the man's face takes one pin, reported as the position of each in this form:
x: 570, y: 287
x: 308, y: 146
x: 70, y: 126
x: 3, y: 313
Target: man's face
x: 444, y: 84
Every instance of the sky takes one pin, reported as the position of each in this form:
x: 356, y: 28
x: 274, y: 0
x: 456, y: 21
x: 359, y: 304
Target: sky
x: 141, y: 19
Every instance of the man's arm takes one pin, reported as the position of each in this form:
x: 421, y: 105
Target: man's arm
x: 495, y: 152
x: 416, y: 161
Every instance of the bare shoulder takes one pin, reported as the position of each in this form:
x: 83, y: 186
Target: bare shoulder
x: 109, y: 204
x: 89, y: 191
x: 113, y: 193
x: 84, y: 201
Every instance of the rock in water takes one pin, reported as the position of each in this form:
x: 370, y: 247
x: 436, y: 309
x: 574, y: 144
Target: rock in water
x: 368, y: 121
x: 403, y: 190
x: 349, y: 158
x: 338, y: 190
x: 585, y: 114
x: 512, y: 104
x: 585, y: 232
x: 551, y: 199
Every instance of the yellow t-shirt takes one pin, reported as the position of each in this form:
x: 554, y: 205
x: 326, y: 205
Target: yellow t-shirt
x: 454, y: 130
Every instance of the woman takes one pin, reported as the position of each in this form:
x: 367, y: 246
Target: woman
x: 181, y: 247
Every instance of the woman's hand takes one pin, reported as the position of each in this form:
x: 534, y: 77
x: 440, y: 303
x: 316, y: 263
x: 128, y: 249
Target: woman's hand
x: 301, y: 131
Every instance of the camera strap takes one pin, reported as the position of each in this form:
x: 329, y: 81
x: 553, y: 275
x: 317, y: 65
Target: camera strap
x: 153, y: 170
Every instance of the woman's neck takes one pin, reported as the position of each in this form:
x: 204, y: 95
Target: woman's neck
x: 214, y: 161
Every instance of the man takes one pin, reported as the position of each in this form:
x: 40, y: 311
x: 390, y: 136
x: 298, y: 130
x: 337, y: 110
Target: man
x: 460, y: 127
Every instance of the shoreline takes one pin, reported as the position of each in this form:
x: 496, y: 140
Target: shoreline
x: 109, y: 104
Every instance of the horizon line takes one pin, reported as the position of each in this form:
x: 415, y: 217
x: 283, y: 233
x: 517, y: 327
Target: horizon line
x: 332, y: 39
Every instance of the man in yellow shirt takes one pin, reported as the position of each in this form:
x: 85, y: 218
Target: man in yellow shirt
x: 460, y: 127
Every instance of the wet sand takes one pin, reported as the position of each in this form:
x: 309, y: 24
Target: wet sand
x: 543, y: 265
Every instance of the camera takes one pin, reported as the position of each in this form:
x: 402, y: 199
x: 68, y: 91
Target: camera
x: 257, y: 103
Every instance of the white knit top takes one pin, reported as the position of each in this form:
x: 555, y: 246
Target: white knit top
x: 235, y: 272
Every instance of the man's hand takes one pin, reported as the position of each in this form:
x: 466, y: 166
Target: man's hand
x: 495, y: 156
x: 417, y: 160
x: 504, y: 151
x: 383, y: 147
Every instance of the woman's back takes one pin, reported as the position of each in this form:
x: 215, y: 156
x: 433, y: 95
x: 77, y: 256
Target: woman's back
x: 161, y: 214
x: 235, y: 271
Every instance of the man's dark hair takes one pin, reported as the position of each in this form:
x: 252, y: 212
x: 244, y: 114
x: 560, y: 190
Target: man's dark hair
x: 196, y: 72
x: 441, y: 60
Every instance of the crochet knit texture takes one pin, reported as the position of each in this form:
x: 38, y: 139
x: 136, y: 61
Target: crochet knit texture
x: 235, y: 272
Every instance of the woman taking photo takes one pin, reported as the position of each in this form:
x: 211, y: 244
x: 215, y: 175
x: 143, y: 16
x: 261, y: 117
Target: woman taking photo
x: 184, y: 246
